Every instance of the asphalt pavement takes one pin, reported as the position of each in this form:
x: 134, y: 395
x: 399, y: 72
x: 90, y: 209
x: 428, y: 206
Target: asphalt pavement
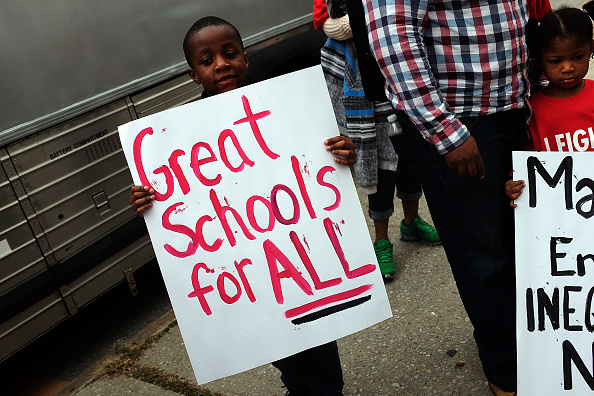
x: 426, y: 348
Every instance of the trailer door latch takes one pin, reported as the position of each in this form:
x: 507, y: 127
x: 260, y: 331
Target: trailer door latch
x: 101, y: 202
x: 131, y: 282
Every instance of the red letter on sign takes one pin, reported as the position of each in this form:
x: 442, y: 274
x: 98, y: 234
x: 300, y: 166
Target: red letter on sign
x: 246, y: 284
x: 140, y: 168
x: 199, y: 292
x: 302, y: 189
x: 221, y: 212
x: 249, y: 207
x: 223, y: 292
x: 367, y: 268
x: 245, y: 160
x: 192, y: 245
x: 252, y: 118
x: 321, y: 182
x: 195, y: 163
x: 177, y: 170
x: 309, y: 266
x: 273, y: 254
x: 276, y: 210
x: 200, y: 235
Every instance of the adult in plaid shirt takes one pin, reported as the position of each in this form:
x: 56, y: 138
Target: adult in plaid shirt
x: 455, y: 72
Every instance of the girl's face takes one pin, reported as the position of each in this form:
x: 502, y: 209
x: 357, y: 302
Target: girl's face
x: 565, y: 63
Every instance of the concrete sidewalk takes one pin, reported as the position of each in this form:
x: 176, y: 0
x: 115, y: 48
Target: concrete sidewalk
x: 425, y: 349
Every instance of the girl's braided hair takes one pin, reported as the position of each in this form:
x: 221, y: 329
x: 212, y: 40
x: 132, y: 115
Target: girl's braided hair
x: 563, y: 23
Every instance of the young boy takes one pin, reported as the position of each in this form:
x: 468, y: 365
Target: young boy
x: 216, y: 59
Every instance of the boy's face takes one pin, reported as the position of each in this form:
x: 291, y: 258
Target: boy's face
x: 217, y: 61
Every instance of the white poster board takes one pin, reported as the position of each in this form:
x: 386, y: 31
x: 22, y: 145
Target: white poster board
x: 259, y: 234
x: 555, y: 273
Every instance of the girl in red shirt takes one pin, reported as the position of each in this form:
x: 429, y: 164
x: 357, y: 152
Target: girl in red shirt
x: 563, y: 111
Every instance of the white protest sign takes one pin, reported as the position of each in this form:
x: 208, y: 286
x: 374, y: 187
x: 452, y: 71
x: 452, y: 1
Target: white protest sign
x: 555, y: 273
x: 259, y: 234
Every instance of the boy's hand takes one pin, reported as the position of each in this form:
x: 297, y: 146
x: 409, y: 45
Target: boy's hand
x: 343, y: 149
x: 513, y: 189
x: 141, y: 198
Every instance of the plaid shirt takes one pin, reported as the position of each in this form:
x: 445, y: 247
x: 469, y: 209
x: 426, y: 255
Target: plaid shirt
x: 445, y: 59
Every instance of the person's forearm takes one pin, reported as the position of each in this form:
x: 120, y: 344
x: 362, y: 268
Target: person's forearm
x: 396, y: 41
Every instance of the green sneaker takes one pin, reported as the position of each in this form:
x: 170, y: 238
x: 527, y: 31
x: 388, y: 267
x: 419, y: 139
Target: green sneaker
x: 419, y: 231
x: 384, y: 253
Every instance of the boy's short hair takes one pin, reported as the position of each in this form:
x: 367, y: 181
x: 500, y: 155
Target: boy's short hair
x: 201, y: 24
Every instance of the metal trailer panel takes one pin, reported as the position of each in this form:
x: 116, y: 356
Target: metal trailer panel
x: 20, y: 255
x: 31, y: 323
x: 176, y: 92
x: 21, y: 196
x: 76, y: 178
x: 109, y: 273
x: 85, y: 227
x: 63, y: 58
x: 47, y: 147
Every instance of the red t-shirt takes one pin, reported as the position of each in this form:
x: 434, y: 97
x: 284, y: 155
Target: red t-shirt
x: 563, y: 124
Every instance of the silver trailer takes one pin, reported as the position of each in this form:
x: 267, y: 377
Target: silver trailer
x: 72, y: 72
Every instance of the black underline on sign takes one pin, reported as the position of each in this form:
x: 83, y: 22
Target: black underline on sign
x: 330, y: 310
x: 335, y: 298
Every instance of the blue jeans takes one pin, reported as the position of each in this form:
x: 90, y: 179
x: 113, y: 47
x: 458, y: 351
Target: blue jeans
x: 475, y: 224
x: 405, y: 180
x: 313, y: 372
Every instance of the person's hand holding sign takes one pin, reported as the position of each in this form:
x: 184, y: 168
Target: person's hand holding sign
x: 343, y: 149
x: 513, y: 189
x: 141, y: 198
